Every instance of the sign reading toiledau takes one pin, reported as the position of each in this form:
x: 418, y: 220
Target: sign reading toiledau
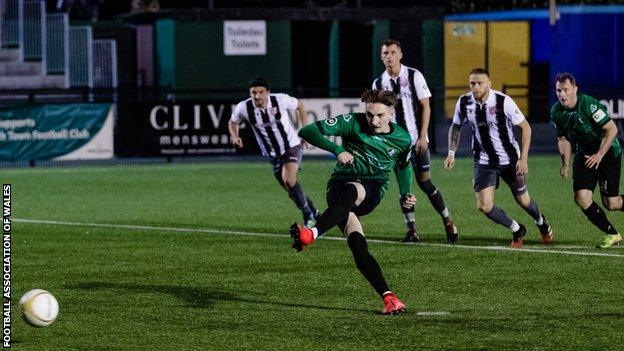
x: 241, y: 38
x: 56, y: 132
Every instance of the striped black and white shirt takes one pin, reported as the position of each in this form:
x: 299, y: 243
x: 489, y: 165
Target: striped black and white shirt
x: 272, y: 126
x: 410, y: 87
x: 492, y: 124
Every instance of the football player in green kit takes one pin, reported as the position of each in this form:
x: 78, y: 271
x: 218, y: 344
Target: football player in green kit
x: 372, y: 147
x: 581, y: 120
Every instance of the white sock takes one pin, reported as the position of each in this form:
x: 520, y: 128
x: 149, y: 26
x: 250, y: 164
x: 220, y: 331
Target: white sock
x: 540, y: 221
x: 314, y: 232
x: 445, y: 213
x: 514, y: 226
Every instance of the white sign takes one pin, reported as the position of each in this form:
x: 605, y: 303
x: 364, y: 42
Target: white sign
x: 100, y: 147
x: 320, y: 109
x: 244, y: 38
x: 615, y: 108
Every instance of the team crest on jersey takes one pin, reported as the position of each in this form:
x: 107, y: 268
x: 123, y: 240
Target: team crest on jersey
x: 331, y: 121
x: 493, y: 110
x: 274, y: 111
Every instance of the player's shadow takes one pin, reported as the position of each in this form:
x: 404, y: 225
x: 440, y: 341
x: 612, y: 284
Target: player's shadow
x: 198, y: 297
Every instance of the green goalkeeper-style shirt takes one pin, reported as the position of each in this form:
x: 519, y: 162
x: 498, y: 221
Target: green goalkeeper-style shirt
x: 582, y: 125
x: 375, y: 155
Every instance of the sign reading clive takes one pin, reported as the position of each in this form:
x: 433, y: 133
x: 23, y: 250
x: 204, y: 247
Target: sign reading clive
x: 180, y: 129
x: 56, y: 132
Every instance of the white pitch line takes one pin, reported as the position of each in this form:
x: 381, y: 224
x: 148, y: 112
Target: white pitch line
x: 145, y: 227
x: 433, y: 313
x: 233, y: 232
x: 575, y: 247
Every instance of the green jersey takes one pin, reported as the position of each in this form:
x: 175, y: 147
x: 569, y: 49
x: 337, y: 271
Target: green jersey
x: 375, y: 156
x: 582, y: 125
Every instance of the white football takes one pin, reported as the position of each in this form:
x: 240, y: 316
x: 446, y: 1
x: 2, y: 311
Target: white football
x: 39, y: 308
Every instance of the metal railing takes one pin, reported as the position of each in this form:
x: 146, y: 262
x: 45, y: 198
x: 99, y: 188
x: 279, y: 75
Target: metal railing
x: 57, y: 44
x: 80, y: 56
x: 12, y: 31
x: 104, y: 63
x: 34, y: 40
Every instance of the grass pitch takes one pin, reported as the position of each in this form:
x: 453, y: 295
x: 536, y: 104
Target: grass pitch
x: 197, y: 257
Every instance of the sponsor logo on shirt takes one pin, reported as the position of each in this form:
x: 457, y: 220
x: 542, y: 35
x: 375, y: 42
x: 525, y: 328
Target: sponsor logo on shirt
x: 598, y: 115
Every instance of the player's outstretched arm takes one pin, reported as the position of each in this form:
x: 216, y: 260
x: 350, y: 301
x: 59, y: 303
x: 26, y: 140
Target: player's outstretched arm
x: 610, y: 132
x: 421, y: 144
x: 522, y: 166
x: 312, y: 134
x: 453, y: 141
x: 565, y: 150
x: 234, y: 135
x: 302, y: 114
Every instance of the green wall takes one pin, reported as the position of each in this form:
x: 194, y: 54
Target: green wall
x: 165, y: 52
x: 433, y: 64
x: 380, y: 33
x: 195, y: 51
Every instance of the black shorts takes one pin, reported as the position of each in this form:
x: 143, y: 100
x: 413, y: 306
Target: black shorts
x: 294, y: 154
x: 420, y: 163
x: 371, y: 200
x: 607, y: 174
x: 486, y: 176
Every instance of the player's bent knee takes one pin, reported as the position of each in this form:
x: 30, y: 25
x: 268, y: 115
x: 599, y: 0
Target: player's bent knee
x: 583, y: 201
x: 353, y: 225
x: 612, y: 204
x: 289, y: 180
x: 427, y: 187
x: 523, y: 201
x: 485, y: 208
x: 422, y: 177
x: 361, y: 192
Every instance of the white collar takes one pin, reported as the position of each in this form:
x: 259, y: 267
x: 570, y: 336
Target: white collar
x: 401, y: 72
x: 491, y: 99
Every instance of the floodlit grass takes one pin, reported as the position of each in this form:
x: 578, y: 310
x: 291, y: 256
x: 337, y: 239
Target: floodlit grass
x: 143, y: 283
